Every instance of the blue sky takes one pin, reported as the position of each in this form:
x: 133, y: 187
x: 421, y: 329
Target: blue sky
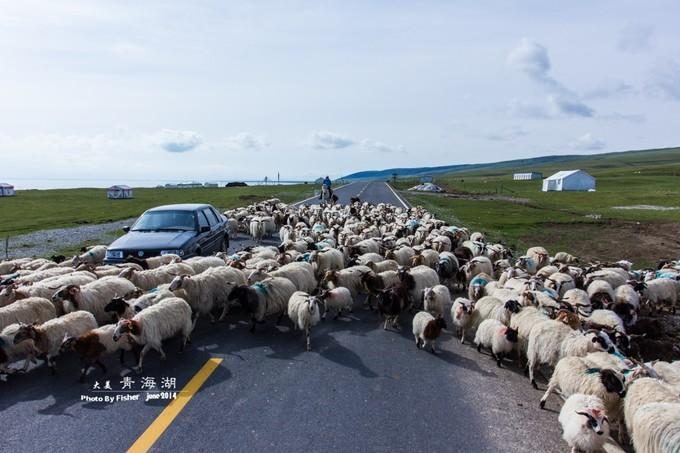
x: 127, y: 91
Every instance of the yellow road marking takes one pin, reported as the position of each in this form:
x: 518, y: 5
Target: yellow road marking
x: 165, y: 418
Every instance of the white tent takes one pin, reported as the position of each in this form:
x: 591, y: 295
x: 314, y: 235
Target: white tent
x: 119, y: 192
x: 6, y: 190
x: 569, y: 180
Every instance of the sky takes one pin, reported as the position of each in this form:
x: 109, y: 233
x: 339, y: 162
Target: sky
x: 95, y: 93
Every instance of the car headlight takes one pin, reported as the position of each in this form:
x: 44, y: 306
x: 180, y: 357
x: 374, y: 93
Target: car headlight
x: 179, y: 252
x: 114, y: 254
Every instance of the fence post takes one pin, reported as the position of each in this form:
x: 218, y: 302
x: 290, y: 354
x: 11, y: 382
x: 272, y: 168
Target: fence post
x: 7, y: 248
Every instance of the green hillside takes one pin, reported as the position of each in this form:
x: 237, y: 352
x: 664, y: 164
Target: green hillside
x: 584, y: 223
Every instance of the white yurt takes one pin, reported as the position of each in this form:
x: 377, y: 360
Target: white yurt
x: 119, y: 192
x: 569, y: 180
x: 7, y: 190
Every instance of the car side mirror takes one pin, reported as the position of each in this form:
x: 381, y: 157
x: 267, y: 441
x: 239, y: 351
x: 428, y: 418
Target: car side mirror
x: 204, y: 229
x: 126, y: 229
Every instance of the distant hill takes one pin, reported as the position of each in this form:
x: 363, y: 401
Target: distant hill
x: 604, y: 160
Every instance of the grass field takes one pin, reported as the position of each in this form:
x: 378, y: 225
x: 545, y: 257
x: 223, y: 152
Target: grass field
x: 33, y: 210
x: 584, y: 223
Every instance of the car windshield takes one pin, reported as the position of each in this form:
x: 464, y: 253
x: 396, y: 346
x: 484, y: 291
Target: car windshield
x: 165, y: 221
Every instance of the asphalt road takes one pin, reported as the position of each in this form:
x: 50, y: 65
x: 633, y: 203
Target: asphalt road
x: 360, y: 389
x: 371, y: 191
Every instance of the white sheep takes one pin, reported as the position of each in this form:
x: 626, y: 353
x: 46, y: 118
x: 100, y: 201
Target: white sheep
x: 585, y: 426
x: 523, y: 322
x: 338, y: 299
x: 351, y: 278
x: 208, y: 290
x: 643, y: 391
x: 93, y: 297
x: 30, y: 310
x: 477, y: 265
x: 494, y: 335
x: 202, y: 263
x: 490, y: 307
x: 416, y: 280
x: 544, y: 345
x: 10, y: 353
x: 656, y: 428
x: 426, y: 329
x: 383, y: 266
x: 93, y: 255
x: 576, y: 375
x: 151, y: 326
x: 92, y: 345
x: 668, y: 372
x: 327, y: 260
x: 402, y: 255
x: 579, y: 301
x: 49, y: 335
x: 601, y: 293
x: 152, y: 278
x: 580, y: 344
x: 461, y: 314
x: 44, y: 288
x: 436, y: 300
x: 268, y: 297
x: 257, y: 229
x: 604, y: 319
x: 303, y: 311
x: 662, y: 291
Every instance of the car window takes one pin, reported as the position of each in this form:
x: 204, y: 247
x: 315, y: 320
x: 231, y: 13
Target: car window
x: 165, y: 220
x: 202, y: 221
x: 211, y: 216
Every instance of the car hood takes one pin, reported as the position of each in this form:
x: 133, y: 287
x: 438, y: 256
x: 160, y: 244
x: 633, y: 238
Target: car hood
x: 148, y: 240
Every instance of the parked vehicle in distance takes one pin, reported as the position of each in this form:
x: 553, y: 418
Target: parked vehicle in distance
x: 182, y: 229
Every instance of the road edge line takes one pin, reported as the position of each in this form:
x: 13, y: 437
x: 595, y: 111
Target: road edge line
x: 172, y: 410
x: 398, y: 197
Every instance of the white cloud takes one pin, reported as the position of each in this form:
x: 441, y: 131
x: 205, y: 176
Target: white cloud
x: 636, y: 38
x: 665, y: 80
x: 175, y: 141
x: 505, y: 135
x: 523, y: 109
x: 531, y: 58
x: 329, y: 140
x: 609, y: 88
x: 587, y: 143
x: 375, y: 145
x: 246, y: 141
x: 569, y: 107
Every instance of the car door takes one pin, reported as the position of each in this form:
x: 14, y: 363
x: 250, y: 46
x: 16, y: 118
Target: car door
x: 215, y: 230
x: 204, y: 239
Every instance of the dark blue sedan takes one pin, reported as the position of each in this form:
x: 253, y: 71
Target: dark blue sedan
x: 182, y: 229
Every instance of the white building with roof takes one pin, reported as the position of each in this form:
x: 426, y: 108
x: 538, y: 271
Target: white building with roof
x: 7, y: 190
x: 569, y: 180
x: 119, y: 192
x: 527, y: 176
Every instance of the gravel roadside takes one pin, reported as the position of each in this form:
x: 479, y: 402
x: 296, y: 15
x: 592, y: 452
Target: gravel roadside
x: 46, y: 242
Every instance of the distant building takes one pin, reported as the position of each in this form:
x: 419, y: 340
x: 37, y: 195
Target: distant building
x: 569, y: 180
x: 318, y: 181
x: 7, y: 190
x: 527, y: 176
x: 189, y: 185
x: 119, y: 192
x: 210, y: 184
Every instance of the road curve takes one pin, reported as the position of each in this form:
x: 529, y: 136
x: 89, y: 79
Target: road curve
x: 360, y: 389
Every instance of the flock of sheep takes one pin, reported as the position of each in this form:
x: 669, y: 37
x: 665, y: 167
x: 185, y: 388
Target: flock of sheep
x: 546, y: 310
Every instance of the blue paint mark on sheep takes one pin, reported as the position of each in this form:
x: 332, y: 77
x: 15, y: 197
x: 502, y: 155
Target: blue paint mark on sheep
x: 259, y: 286
x: 479, y: 281
x: 593, y: 370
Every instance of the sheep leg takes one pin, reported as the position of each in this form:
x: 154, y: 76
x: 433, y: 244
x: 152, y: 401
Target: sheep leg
x: 309, y: 341
x: 145, y: 349
x: 530, y: 367
x: 417, y: 341
x: 551, y: 388
x: 462, y: 336
x: 432, y: 349
x: 122, y: 357
x: 252, y: 327
x: 52, y: 364
x: 499, y: 360
x: 385, y: 324
x: 225, y: 311
x: 159, y: 348
x: 479, y: 347
x: 101, y: 365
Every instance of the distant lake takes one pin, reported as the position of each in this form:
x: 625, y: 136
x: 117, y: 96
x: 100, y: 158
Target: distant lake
x: 70, y: 183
